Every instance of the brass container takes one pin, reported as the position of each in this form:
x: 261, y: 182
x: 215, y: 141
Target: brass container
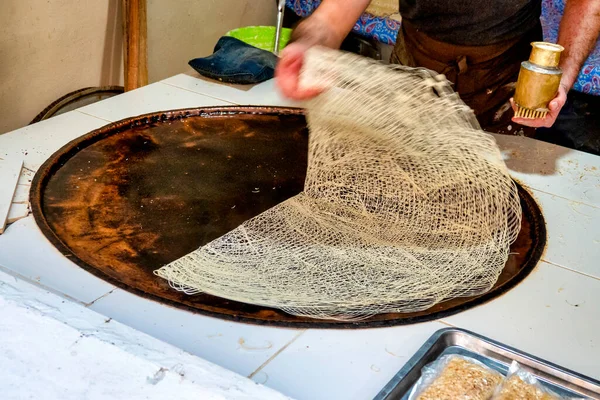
x: 539, y: 79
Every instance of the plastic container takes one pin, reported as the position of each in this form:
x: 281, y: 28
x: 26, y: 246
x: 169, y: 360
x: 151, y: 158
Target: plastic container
x: 262, y: 37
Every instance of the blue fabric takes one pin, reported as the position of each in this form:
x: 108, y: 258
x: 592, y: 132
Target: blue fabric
x: 234, y: 61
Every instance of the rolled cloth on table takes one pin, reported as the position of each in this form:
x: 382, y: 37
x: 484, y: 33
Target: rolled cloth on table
x: 234, y: 61
x: 406, y: 203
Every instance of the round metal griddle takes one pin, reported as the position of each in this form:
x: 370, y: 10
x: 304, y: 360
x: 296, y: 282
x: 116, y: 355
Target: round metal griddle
x: 130, y: 197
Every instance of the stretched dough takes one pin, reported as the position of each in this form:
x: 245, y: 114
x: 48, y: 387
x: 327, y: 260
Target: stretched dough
x: 407, y: 203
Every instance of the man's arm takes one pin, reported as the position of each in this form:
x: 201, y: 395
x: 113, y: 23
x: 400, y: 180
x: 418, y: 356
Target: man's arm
x: 328, y: 25
x: 578, y: 33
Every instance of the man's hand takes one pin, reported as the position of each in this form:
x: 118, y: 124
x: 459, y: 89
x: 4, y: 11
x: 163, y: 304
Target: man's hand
x: 327, y: 26
x: 555, y: 106
x: 287, y: 73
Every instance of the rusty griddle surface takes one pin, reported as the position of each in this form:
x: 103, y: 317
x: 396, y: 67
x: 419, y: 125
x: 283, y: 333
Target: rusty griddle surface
x: 130, y: 197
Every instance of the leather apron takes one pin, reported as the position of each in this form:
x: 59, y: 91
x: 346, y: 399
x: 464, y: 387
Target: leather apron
x: 483, y: 76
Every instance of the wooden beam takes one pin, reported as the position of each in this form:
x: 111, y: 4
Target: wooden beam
x: 135, y: 48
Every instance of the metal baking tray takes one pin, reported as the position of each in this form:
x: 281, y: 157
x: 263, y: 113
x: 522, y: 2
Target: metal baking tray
x: 493, y: 354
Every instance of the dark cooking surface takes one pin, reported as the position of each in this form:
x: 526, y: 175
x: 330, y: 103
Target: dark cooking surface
x: 128, y: 198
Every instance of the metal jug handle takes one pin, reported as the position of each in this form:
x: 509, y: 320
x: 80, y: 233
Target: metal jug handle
x: 280, y: 10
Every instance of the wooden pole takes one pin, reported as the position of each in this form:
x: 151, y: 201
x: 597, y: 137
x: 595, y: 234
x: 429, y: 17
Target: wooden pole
x: 135, y: 48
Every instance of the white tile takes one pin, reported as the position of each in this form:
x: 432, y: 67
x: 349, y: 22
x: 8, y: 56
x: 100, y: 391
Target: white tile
x: 343, y: 364
x: 553, y: 314
x: 10, y: 170
x: 262, y: 94
x: 21, y: 193
x: 573, y: 233
x: 26, y: 174
x: 147, y: 99
x: 239, y: 347
x: 16, y: 212
x: 25, y: 251
x: 558, y: 170
x: 35, y: 143
x: 45, y: 340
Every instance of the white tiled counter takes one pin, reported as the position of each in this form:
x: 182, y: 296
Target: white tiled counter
x: 554, y: 313
x: 51, y: 349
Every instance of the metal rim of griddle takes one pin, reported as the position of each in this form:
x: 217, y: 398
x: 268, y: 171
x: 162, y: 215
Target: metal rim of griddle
x: 530, y: 210
x: 70, y: 98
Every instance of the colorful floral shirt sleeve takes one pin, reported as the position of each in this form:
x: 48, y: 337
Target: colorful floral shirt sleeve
x: 588, y: 80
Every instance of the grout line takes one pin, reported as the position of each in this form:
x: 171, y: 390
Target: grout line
x: 276, y: 354
x: 101, y: 297
x: 94, y: 116
x: 570, y: 269
x: 34, y: 282
x: 201, y: 94
x: 560, y: 197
